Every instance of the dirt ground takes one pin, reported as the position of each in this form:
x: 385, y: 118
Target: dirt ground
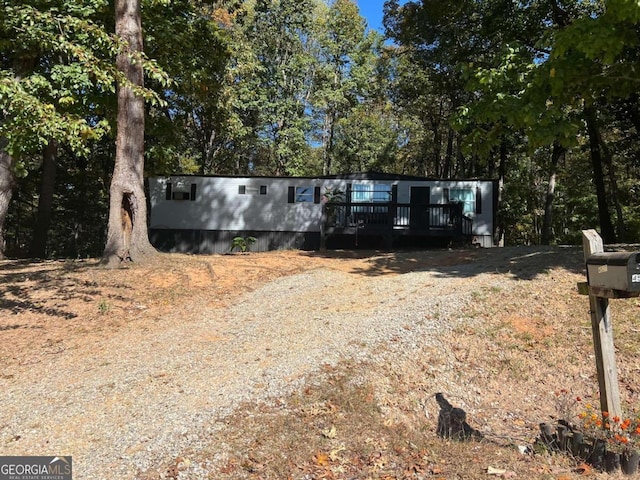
x: 49, y: 306
x: 524, y: 359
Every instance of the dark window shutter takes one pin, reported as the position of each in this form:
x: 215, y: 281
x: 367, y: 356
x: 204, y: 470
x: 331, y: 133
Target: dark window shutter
x: 242, y: 189
x: 446, y: 195
x: 193, y: 192
x: 478, y: 200
x: 316, y: 195
x: 263, y: 189
x: 394, y: 193
x: 291, y: 195
x: 168, y: 191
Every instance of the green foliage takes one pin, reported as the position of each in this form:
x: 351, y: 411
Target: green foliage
x: 343, y: 73
x: 188, y: 133
x: 58, y: 61
x: 333, y: 195
x: 364, y: 140
x: 301, y: 88
x: 243, y: 243
x: 80, y: 206
x: 528, y: 72
x: 103, y: 307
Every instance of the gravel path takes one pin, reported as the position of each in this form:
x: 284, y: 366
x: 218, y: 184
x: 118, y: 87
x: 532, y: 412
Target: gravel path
x: 130, y: 405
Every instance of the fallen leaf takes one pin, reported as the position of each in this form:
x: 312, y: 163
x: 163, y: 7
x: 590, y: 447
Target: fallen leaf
x: 335, y: 453
x: 584, y: 469
x: 321, y: 459
x: 499, y: 472
x: 495, y: 471
x: 330, y: 432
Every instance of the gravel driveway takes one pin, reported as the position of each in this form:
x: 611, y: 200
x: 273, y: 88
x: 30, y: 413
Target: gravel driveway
x: 131, y: 402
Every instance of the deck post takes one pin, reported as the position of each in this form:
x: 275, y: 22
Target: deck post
x: 391, y: 209
x: 602, y: 329
x: 348, y: 199
x: 458, y: 218
x: 323, y: 227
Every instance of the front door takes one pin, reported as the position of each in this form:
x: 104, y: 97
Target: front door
x: 419, y: 214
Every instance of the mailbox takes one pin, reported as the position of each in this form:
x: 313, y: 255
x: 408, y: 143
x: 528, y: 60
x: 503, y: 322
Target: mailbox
x: 614, y: 270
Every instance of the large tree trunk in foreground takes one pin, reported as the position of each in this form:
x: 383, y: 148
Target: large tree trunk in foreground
x: 7, y: 182
x: 38, y: 247
x: 127, y: 235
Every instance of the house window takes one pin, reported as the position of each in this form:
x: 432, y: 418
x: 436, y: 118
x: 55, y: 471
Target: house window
x: 303, y: 195
x: 466, y: 196
x: 180, y: 192
x: 368, y: 193
x: 245, y: 190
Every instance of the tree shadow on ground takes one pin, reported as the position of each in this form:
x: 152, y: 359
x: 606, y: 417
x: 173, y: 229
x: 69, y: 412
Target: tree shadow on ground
x: 523, y: 263
x: 32, y: 286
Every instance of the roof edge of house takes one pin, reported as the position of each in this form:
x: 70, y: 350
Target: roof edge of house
x: 340, y: 176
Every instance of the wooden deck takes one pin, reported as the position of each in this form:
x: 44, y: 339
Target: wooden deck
x: 394, y: 220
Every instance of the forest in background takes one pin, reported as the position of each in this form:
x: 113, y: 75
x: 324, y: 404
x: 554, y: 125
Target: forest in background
x: 541, y: 96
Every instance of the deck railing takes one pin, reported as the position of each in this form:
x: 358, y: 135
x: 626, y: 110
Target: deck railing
x: 421, y: 219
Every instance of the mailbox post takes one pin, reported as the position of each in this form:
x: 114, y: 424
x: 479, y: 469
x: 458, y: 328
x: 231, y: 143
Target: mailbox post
x: 609, y: 275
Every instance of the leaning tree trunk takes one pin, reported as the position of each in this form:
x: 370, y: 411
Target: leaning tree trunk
x: 127, y: 235
x: 547, y: 223
x: 38, y: 247
x: 7, y: 182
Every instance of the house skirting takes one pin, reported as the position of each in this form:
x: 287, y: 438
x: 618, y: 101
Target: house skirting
x: 220, y: 241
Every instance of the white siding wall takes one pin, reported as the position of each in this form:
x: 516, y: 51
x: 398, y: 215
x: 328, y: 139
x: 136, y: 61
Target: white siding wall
x: 219, y: 206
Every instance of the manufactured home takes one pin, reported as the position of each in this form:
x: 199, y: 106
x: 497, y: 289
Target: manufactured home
x: 203, y: 214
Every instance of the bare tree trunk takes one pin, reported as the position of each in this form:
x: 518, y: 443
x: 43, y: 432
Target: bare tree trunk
x: 7, y: 183
x: 38, y: 247
x: 499, y: 230
x: 127, y: 236
x: 634, y: 111
x: 558, y: 151
x: 437, y: 144
x: 446, y: 170
x: 460, y: 159
x: 613, y: 183
x: 607, y: 231
x: 327, y: 140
